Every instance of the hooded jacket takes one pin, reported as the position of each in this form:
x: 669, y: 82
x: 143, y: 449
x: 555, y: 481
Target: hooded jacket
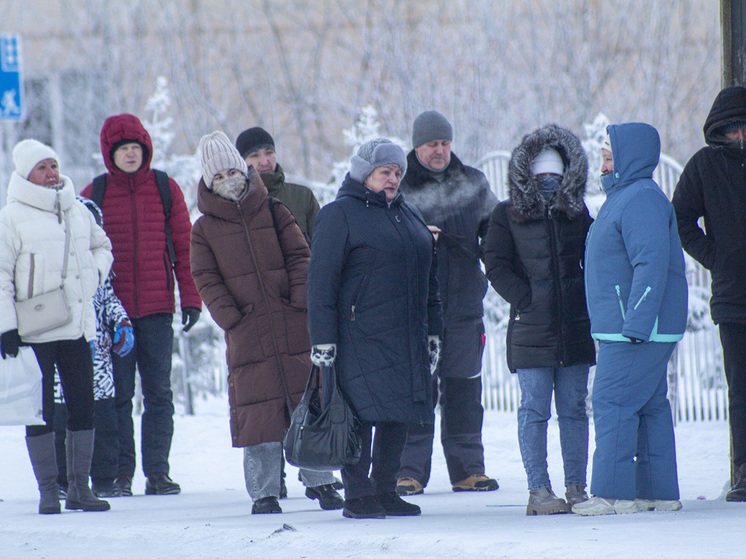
x: 252, y: 276
x: 634, y: 266
x: 713, y: 186
x: 32, y: 239
x: 134, y: 221
x: 460, y: 206
x: 373, y: 291
x: 533, y: 255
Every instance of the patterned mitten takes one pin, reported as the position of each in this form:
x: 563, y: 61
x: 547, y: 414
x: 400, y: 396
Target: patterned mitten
x: 433, y: 348
x: 323, y: 355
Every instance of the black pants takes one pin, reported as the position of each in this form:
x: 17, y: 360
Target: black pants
x: 733, y: 340
x: 375, y: 473
x: 74, y: 363
x: 151, y: 356
x: 459, y: 386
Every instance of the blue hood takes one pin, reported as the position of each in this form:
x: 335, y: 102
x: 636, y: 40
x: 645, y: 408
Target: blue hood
x: 636, y: 148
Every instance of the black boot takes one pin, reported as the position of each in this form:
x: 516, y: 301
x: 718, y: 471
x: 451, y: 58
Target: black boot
x: 161, y: 484
x: 328, y: 497
x: 363, y: 507
x: 79, y: 448
x: 266, y: 505
x: 396, y: 506
x: 737, y: 492
x: 44, y: 461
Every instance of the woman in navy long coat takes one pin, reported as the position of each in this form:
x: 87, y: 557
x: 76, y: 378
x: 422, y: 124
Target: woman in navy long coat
x: 375, y: 312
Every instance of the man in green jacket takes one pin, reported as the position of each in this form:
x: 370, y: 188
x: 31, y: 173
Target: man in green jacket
x: 257, y: 147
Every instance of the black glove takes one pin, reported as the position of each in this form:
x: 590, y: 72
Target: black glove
x: 189, y: 317
x: 635, y: 340
x: 10, y: 341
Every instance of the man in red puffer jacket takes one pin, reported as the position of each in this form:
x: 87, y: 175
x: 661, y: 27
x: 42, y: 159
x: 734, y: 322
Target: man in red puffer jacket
x: 143, y: 280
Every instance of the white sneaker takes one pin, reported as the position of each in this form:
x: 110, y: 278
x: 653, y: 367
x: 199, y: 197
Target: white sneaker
x: 648, y: 504
x: 596, y: 506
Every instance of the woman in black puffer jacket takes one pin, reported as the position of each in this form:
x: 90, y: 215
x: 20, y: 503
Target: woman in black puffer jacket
x: 373, y: 308
x: 534, y: 260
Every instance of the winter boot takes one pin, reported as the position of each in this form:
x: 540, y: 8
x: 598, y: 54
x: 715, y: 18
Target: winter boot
x: 596, y: 506
x: 161, y: 484
x: 575, y: 494
x: 396, y: 506
x: 266, y: 505
x: 657, y: 504
x: 328, y: 497
x: 44, y: 461
x: 409, y: 486
x: 476, y: 482
x: 544, y: 501
x: 363, y: 507
x: 738, y: 491
x: 79, y: 448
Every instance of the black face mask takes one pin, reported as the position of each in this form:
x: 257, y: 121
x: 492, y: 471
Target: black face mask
x: 548, y: 185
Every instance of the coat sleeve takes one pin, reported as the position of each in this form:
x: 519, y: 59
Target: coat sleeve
x: 313, y: 211
x: 100, y: 247
x: 502, y: 262
x: 181, y: 227
x: 295, y: 252
x: 209, y: 281
x: 645, y: 231
x: 688, y: 201
x: 434, y: 304
x: 329, y: 250
x: 10, y: 245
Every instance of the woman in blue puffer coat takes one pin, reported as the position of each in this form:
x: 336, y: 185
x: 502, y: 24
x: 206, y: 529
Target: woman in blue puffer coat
x: 374, y: 310
x: 637, y: 301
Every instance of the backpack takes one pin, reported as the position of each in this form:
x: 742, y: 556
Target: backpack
x: 164, y: 189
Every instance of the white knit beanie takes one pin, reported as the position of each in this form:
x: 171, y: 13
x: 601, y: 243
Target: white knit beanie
x: 606, y: 144
x: 217, y: 153
x: 548, y: 161
x: 27, y: 153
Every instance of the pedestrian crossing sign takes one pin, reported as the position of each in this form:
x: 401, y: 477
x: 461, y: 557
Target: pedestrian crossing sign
x: 11, y: 90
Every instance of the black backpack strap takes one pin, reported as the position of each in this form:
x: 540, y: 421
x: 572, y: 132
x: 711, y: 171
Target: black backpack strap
x: 164, y: 189
x: 98, y: 190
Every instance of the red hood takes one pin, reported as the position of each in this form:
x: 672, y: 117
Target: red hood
x: 125, y: 127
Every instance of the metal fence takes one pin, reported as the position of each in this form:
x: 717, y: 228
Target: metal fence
x: 697, y: 388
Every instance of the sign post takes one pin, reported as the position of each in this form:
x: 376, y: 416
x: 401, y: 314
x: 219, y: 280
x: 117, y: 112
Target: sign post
x: 11, y: 90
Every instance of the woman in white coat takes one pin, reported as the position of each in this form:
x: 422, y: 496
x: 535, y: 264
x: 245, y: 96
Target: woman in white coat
x: 48, y: 239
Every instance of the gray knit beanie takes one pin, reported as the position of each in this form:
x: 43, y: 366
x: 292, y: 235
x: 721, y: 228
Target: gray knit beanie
x: 430, y: 126
x: 217, y: 153
x: 376, y: 153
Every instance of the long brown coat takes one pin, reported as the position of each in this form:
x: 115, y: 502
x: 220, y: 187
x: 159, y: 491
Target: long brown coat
x: 252, y: 276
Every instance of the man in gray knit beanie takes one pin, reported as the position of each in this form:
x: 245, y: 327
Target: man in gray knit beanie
x: 455, y: 201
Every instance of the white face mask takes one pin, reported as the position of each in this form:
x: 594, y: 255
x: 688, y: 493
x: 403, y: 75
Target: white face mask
x: 231, y: 188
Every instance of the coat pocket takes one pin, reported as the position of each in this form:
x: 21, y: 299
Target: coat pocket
x: 242, y: 340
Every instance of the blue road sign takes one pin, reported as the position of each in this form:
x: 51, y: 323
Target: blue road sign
x: 11, y: 91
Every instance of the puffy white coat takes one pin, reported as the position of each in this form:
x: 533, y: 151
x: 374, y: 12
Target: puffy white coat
x: 31, y: 223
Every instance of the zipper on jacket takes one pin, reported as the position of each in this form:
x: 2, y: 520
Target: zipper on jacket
x: 356, y: 299
x: 619, y: 298
x: 553, y: 235
x: 644, y: 295
x: 134, y: 231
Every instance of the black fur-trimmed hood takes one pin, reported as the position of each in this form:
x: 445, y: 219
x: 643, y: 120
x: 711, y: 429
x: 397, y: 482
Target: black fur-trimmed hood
x: 526, y: 200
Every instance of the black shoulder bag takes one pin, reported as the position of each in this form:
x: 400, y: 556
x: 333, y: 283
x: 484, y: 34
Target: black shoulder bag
x: 322, y: 438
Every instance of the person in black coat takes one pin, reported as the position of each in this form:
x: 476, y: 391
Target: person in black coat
x: 374, y: 312
x: 712, y: 187
x: 456, y: 202
x: 534, y: 260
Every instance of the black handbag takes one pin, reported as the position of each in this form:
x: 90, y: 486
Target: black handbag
x: 322, y: 438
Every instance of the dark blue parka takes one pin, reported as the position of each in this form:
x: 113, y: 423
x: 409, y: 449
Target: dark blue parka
x: 635, y: 275
x: 373, y: 291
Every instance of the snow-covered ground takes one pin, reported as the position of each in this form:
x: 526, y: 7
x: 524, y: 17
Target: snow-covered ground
x: 211, y: 518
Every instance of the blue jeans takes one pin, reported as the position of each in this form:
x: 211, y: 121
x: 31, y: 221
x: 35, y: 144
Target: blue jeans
x: 154, y: 340
x: 262, y: 465
x: 570, y: 386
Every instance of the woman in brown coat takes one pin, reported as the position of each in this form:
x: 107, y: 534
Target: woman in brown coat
x: 249, y: 260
